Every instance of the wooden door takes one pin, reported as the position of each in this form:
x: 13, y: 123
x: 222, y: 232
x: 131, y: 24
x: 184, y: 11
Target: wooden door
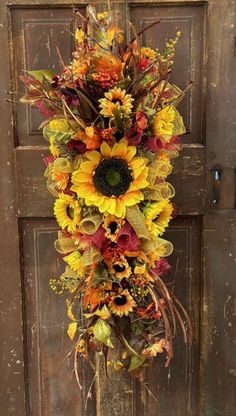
x: 36, y: 366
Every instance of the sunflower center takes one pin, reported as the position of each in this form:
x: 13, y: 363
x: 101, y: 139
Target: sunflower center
x: 113, y: 227
x: 120, y: 300
x: 112, y: 177
x: 70, y: 212
x: 118, y: 268
x: 117, y: 100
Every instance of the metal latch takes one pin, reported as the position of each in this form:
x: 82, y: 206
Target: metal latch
x: 223, y: 188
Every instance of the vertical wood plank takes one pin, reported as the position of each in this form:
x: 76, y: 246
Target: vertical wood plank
x: 11, y: 357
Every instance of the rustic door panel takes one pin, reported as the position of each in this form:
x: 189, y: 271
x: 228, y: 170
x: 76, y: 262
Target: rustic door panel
x: 36, y: 32
x: 52, y: 388
x: 189, y: 60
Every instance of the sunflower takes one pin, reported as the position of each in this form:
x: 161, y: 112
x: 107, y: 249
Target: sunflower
x: 67, y: 212
x: 116, y: 102
x: 168, y: 123
x: 112, y: 225
x: 163, y: 211
x: 121, y: 269
x: 122, y: 304
x: 112, y: 178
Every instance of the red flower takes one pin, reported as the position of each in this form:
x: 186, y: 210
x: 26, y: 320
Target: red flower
x: 141, y: 120
x: 133, y: 136
x: 77, y: 145
x: 144, y: 64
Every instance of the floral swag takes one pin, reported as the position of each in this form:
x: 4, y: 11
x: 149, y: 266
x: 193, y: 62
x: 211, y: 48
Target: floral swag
x: 113, y: 130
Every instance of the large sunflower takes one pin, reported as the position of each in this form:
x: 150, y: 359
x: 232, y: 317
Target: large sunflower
x: 116, y: 102
x: 67, y: 212
x: 112, y: 178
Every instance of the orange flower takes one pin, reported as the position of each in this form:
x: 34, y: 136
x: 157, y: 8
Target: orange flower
x: 90, y: 137
x: 79, y: 68
x: 61, y: 179
x: 109, y: 64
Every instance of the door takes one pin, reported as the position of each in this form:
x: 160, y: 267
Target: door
x: 36, y: 360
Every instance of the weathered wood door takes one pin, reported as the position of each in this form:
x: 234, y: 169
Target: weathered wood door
x: 36, y: 367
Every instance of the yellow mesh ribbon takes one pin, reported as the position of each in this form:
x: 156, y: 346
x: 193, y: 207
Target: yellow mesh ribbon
x: 161, y: 247
x: 138, y: 221
x: 158, y: 169
x: 62, y: 164
x: 89, y: 225
x: 90, y: 257
x: 159, y: 192
x: 65, y: 245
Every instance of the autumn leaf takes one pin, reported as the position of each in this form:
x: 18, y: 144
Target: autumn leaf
x: 71, y: 331
x: 135, y: 362
x: 102, y: 332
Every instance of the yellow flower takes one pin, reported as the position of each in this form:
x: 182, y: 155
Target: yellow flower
x: 112, y: 178
x: 102, y: 15
x: 121, y: 268
x: 114, y: 33
x: 148, y: 53
x: 59, y: 124
x: 167, y: 123
x: 81, y: 345
x: 79, y: 68
x: 54, y: 149
x: 122, y: 304
x: 67, y: 212
x: 116, y: 102
x: 75, y: 262
x: 163, y: 211
x: 80, y: 35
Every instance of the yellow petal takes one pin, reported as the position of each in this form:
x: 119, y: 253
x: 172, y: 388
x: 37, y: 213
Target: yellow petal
x: 112, y: 206
x: 131, y: 152
x: 120, y: 209
x: 105, y: 150
x: 132, y: 198
x: 119, y: 150
x: 87, y: 167
x: 81, y: 177
x: 94, y: 156
x: 137, y: 163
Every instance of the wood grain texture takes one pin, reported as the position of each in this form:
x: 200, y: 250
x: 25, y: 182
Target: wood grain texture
x: 12, y: 384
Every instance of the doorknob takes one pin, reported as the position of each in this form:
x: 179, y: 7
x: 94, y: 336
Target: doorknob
x: 223, y: 188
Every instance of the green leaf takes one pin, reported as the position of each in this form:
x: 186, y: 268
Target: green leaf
x: 40, y: 75
x: 137, y: 328
x: 135, y: 362
x: 59, y: 136
x: 100, y: 275
x: 102, y: 332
